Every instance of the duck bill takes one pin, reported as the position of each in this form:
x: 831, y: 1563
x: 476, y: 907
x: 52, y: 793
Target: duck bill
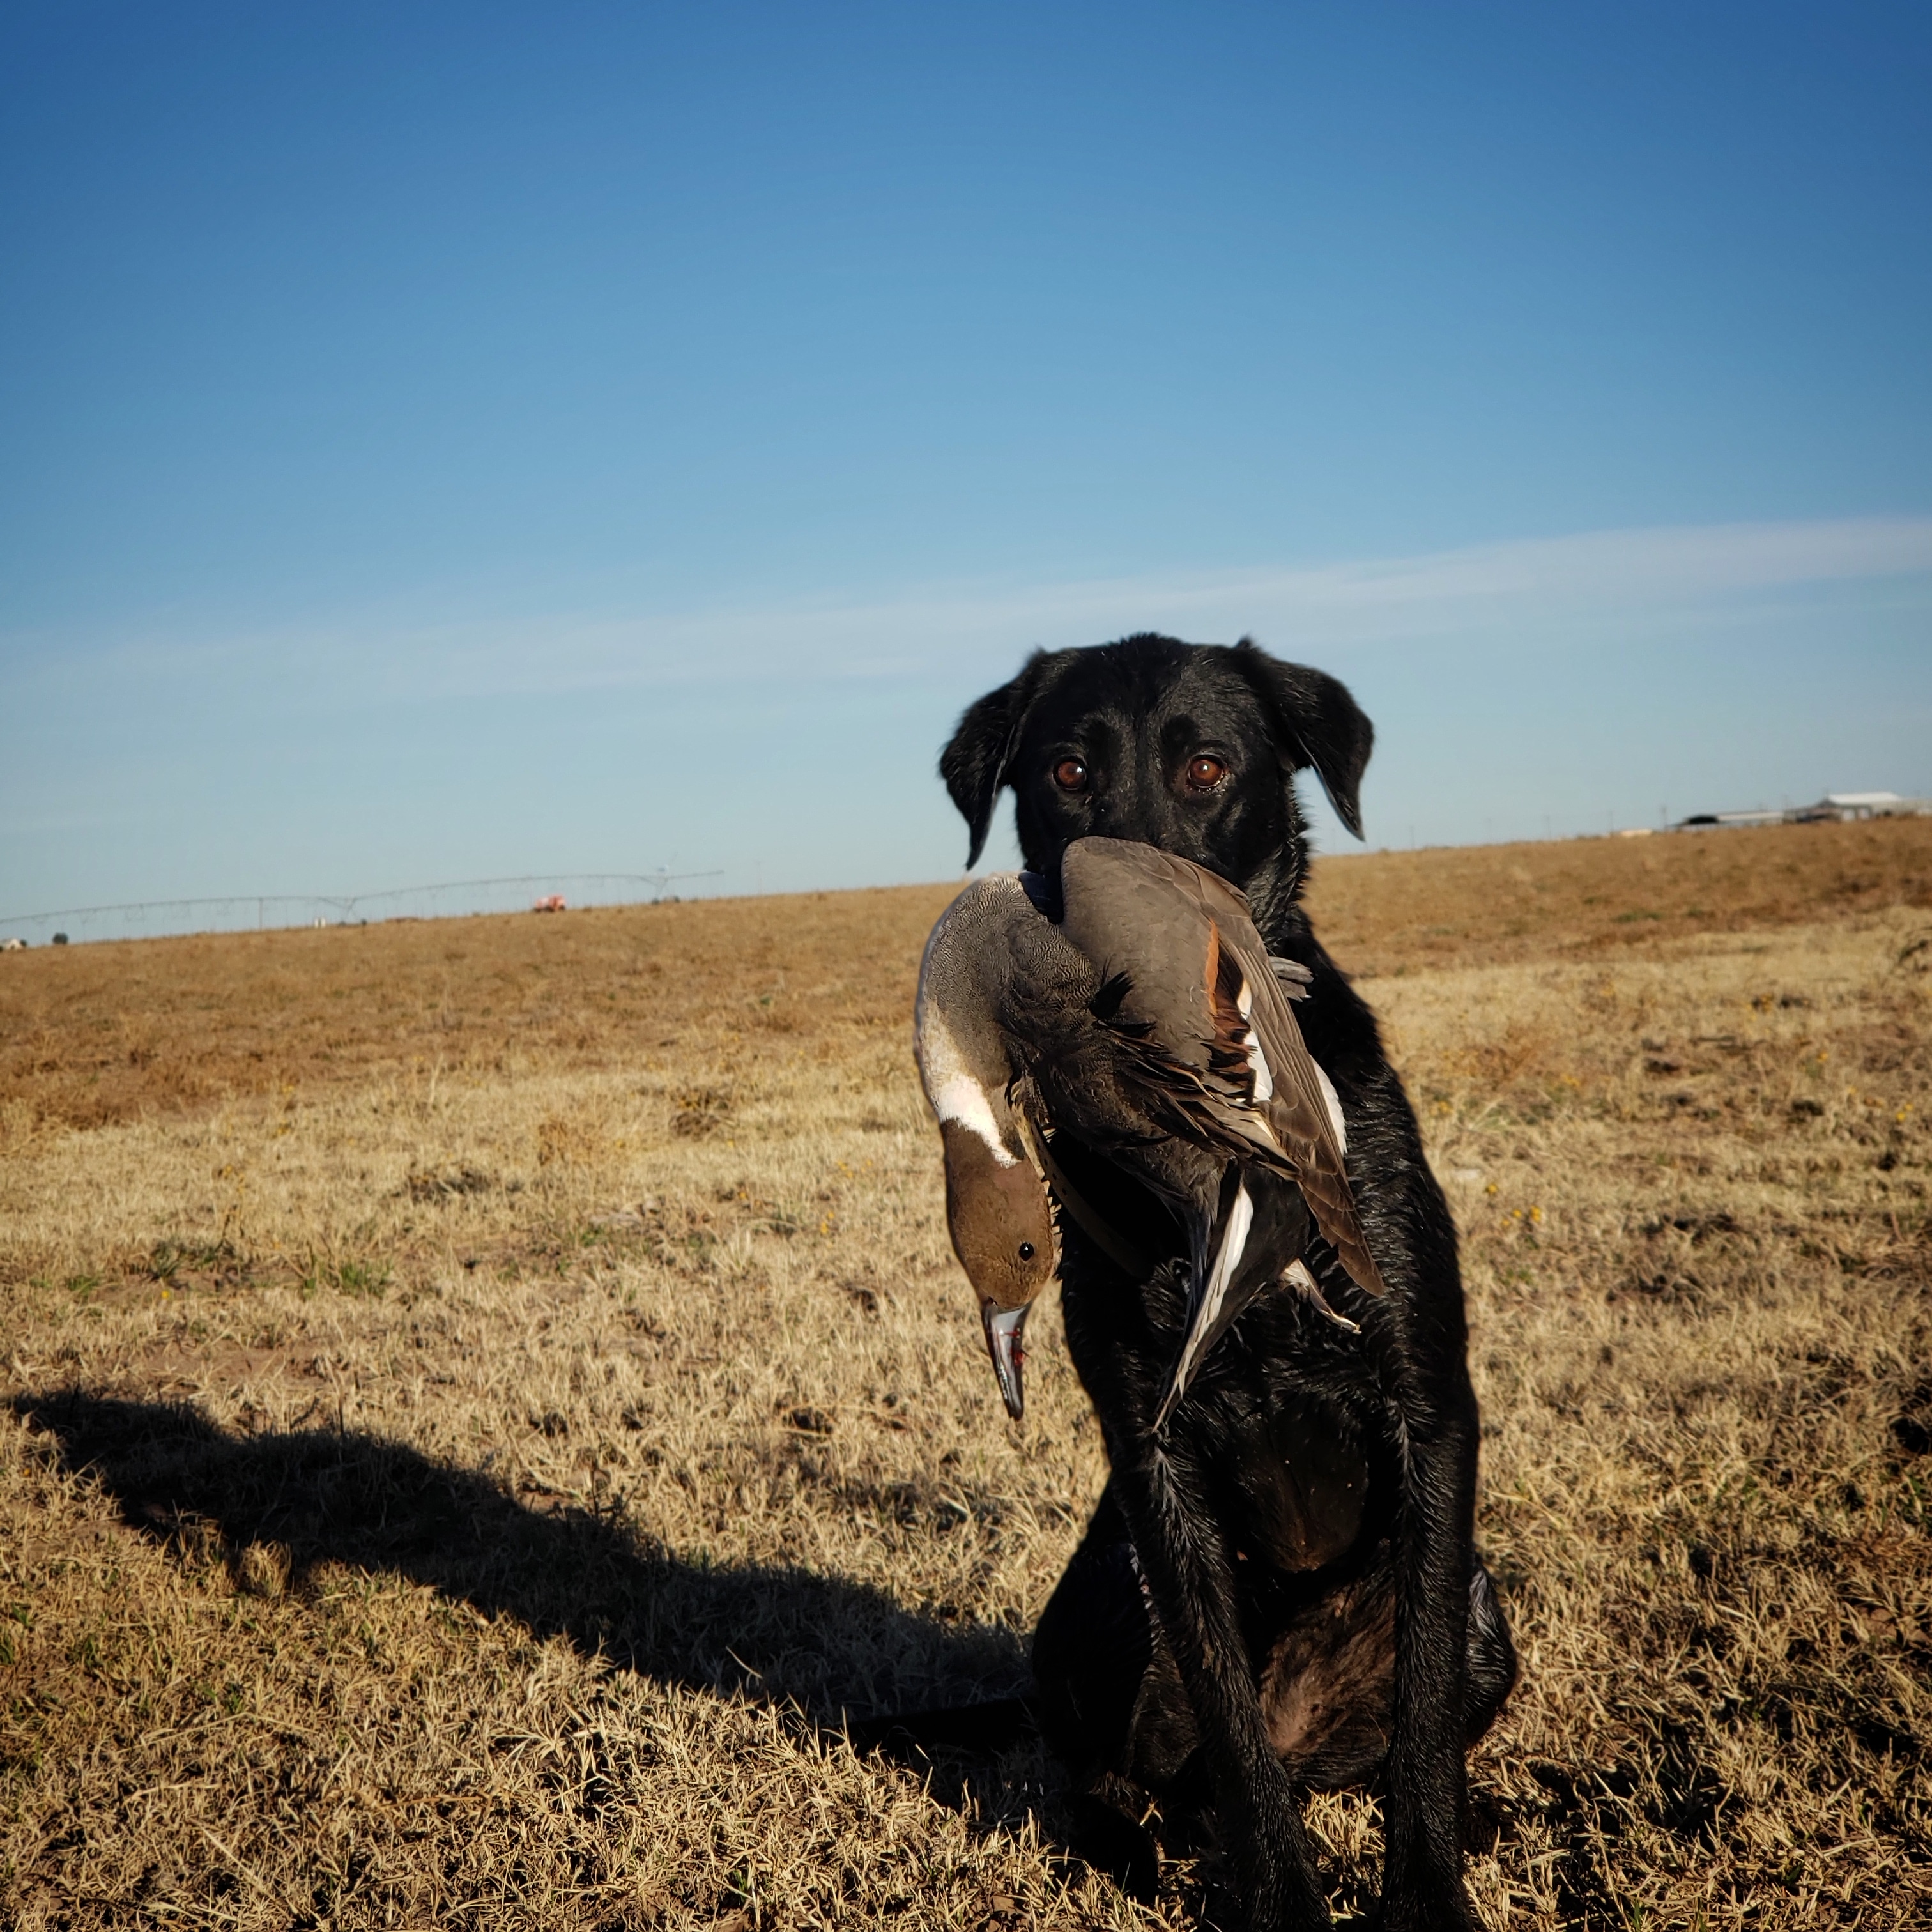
x: 1004, y: 1331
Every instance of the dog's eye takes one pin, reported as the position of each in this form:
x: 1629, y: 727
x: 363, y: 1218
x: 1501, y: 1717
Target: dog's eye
x: 1205, y: 773
x: 1026, y: 1251
x: 1070, y: 775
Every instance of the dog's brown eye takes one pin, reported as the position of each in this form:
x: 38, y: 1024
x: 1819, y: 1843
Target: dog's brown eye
x: 1070, y: 775
x: 1204, y: 774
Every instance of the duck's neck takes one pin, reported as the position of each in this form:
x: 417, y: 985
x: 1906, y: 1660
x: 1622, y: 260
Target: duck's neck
x: 965, y: 1062
x: 967, y: 1086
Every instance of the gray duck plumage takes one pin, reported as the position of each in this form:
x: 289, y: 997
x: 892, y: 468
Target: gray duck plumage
x: 1147, y: 1021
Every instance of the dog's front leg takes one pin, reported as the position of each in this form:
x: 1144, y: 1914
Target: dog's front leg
x: 1423, y: 1889
x: 1185, y: 1563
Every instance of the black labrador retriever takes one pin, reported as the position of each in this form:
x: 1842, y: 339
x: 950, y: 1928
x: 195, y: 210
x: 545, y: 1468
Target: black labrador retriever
x: 1283, y: 1594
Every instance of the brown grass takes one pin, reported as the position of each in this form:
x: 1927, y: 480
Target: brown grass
x: 465, y: 1460
x: 1482, y: 905
x: 95, y: 1035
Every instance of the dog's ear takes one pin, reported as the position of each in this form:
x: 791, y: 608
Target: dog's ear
x: 1315, y: 722
x: 974, y: 764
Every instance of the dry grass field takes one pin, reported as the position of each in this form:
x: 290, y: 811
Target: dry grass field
x: 483, y: 1398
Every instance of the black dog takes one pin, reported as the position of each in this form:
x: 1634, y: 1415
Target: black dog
x: 1302, y: 1537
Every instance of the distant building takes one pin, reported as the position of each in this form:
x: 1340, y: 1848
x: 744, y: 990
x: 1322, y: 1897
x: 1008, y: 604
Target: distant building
x: 1841, y: 806
x: 1873, y: 805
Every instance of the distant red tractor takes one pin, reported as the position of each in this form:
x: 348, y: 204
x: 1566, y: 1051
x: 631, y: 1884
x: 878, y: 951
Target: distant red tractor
x: 554, y: 904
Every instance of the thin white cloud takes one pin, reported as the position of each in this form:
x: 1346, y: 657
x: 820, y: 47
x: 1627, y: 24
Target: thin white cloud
x: 1491, y: 587
x: 1539, y: 585
x: 1623, y: 566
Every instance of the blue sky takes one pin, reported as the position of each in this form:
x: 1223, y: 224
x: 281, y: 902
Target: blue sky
x: 444, y: 441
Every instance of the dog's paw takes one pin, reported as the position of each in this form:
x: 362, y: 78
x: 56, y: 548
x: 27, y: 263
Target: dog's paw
x: 1299, y: 1914
x: 1113, y: 1844
x: 1444, y: 1908
x: 1283, y: 1897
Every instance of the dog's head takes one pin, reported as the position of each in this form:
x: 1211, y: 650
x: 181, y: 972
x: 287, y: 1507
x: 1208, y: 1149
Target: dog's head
x: 1192, y: 747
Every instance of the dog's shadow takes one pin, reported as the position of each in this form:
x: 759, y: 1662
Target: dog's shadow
x: 833, y: 1657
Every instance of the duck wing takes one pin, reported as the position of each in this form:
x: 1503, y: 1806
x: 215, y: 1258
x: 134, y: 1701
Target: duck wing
x: 1261, y: 1071
x: 1209, y: 1041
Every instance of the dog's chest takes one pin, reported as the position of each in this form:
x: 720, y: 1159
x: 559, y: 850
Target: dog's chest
x: 1299, y: 1487
x: 1287, y: 1470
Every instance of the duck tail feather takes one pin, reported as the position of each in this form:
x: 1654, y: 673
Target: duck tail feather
x: 1212, y: 1305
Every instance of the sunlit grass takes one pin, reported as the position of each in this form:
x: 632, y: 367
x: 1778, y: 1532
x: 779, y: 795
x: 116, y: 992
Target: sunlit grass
x: 526, y: 1457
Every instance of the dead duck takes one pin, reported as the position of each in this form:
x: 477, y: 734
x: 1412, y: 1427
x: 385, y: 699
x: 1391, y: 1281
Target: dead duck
x: 1149, y: 1022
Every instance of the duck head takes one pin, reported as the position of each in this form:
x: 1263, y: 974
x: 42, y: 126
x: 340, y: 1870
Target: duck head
x: 1000, y: 1218
x: 998, y: 1210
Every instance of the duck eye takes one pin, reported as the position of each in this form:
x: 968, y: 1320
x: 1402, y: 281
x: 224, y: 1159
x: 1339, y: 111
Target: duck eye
x: 1205, y: 773
x: 1026, y: 1251
x: 1070, y: 775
